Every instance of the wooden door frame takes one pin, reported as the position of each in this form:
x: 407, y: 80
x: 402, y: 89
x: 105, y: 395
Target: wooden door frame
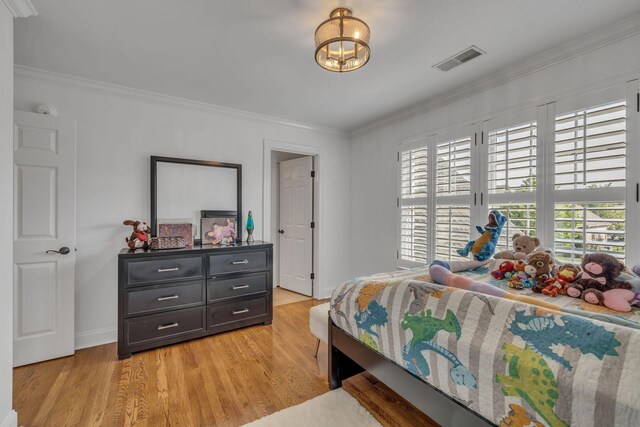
x: 270, y: 146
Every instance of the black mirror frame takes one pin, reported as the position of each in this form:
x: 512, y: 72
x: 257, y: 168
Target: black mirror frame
x: 154, y: 185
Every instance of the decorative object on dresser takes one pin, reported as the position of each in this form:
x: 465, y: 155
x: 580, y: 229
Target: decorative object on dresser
x: 177, y: 295
x: 161, y: 243
x: 139, y: 238
x: 250, y: 227
x: 182, y: 229
x: 218, y: 227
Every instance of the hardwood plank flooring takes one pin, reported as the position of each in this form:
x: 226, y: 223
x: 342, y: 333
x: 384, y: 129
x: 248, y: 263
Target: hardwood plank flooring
x: 224, y: 380
x: 283, y: 296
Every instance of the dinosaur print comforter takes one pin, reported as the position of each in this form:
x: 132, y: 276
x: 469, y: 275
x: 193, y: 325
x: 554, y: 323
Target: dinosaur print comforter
x: 511, y: 362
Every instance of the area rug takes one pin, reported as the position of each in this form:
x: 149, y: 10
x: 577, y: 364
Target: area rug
x: 335, y: 408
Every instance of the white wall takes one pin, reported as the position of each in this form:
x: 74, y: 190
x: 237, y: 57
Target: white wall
x: 373, y: 154
x: 7, y: 416
x: 116, y: 135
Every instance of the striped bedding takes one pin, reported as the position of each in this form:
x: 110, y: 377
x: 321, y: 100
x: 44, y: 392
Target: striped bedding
x: 511, y: 362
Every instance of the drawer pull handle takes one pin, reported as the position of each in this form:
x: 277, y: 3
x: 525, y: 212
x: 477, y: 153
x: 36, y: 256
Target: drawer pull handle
x: 244, y: 261
x: 168, y: 325
x: 166, y: 270
x: 168, y: 297
x: 246, y: 310
x: 236, y: 287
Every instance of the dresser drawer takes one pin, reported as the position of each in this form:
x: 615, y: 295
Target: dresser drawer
x: 151, y: 299
x: 246, y: 284
x: 163, y: 269
x: 233, y: 311
x: 237, y: 262
x: 162, y: 326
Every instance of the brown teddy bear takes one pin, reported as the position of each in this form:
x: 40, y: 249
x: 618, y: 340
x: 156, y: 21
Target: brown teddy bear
x: 139, y: 238
x: 523, y: 245
x: 539, y: 266
x: 599, y: 273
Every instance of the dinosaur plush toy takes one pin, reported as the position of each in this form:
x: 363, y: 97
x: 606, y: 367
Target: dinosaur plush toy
x: 484, y: 246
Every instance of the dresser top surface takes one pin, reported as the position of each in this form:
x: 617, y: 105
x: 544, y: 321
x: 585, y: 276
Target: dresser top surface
x: 195, y: 249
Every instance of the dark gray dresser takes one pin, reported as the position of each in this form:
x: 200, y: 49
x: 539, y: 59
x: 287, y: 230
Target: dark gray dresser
x: 169, y: 296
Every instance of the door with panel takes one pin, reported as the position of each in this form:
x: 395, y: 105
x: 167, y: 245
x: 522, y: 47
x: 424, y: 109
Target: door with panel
x: 296, y: 216
x: 44, y: 237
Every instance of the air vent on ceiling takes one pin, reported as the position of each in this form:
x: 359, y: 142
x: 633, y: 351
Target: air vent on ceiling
x: 459, y: 58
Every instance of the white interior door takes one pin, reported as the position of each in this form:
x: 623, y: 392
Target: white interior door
x: 296, y: 214
x: 44, y: 220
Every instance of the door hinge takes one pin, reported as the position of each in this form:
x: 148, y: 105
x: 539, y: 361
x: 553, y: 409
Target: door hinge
x: 313, y: 174
x: 397, y: 254
x: 475, y: 138
x: 475, y: 199
x: 481, y: 199
x: 313, y: 224
x: 638, y: 102
x: 397, y: 202
x: 482, y: 138
x: 638, y: 192
x: 398, y: 156
x: 313, y: 276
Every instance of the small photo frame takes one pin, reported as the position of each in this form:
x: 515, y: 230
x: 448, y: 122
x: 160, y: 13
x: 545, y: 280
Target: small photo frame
x: 177, y: 230
x: 218, y: 227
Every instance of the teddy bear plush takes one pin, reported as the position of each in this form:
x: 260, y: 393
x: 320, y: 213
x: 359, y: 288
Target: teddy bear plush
x: 567, y: 273
x: 523, y: 245
x: 599, y: 274
x: 139, y: 238
x: 539, y: 267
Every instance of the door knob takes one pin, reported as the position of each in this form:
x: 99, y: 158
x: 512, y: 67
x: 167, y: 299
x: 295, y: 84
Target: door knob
x: 62, y: 251
x: 281, y: 231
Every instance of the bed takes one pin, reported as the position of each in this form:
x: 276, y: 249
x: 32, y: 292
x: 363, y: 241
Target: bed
x: 471, y: 358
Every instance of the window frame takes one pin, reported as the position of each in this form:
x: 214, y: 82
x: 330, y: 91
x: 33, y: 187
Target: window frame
x: 544, y: 197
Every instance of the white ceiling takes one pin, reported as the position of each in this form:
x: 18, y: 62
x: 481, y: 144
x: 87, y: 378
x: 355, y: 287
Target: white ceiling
x: 257, y: 55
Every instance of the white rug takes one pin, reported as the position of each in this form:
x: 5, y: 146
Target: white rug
x: 335, y: 408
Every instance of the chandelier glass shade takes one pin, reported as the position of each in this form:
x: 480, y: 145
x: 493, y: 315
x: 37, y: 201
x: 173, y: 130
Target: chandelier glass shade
x: 342, y: 42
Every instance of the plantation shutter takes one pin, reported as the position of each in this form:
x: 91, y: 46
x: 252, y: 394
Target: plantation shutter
x: 590, y: 180
x: 414, y: 182
x: 453, y: 188
x: 511, y: 179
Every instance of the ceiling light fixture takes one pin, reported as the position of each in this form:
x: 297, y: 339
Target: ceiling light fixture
x: 342, y: 42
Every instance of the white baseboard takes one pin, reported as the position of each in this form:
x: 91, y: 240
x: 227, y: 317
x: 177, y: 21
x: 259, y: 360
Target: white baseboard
x: 94, y: 338
x: 10, y: 420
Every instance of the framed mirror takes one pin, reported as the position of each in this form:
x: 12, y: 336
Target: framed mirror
x: 182, y: 188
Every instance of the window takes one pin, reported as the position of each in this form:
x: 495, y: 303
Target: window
x: 590, y: 179
x: 414, y: 182
x: 581, y: 198
x: 512, y: 168
x: 453, y: 215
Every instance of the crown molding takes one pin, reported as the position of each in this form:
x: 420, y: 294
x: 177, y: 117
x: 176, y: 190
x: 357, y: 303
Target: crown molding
x: 621, y: 30
x: 20, y: 8
x: 38, y: 76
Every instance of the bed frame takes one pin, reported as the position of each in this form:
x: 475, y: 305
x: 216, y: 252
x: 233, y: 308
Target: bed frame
x: 348, y: 357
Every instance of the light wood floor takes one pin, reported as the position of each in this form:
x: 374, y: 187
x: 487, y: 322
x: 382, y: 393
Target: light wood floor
x: 283, y: 296
x: 223, y: 380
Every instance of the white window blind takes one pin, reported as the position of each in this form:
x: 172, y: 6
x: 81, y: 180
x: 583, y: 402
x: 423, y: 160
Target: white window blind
x: 521, y: 219
x: 590, y: 180
x: 571, y: 188
x: 512, y: 159
x: 414, y: 182
x: 453, y: 187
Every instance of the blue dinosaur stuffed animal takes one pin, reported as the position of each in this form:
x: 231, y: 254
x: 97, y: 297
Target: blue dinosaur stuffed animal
x: 484, y: 246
